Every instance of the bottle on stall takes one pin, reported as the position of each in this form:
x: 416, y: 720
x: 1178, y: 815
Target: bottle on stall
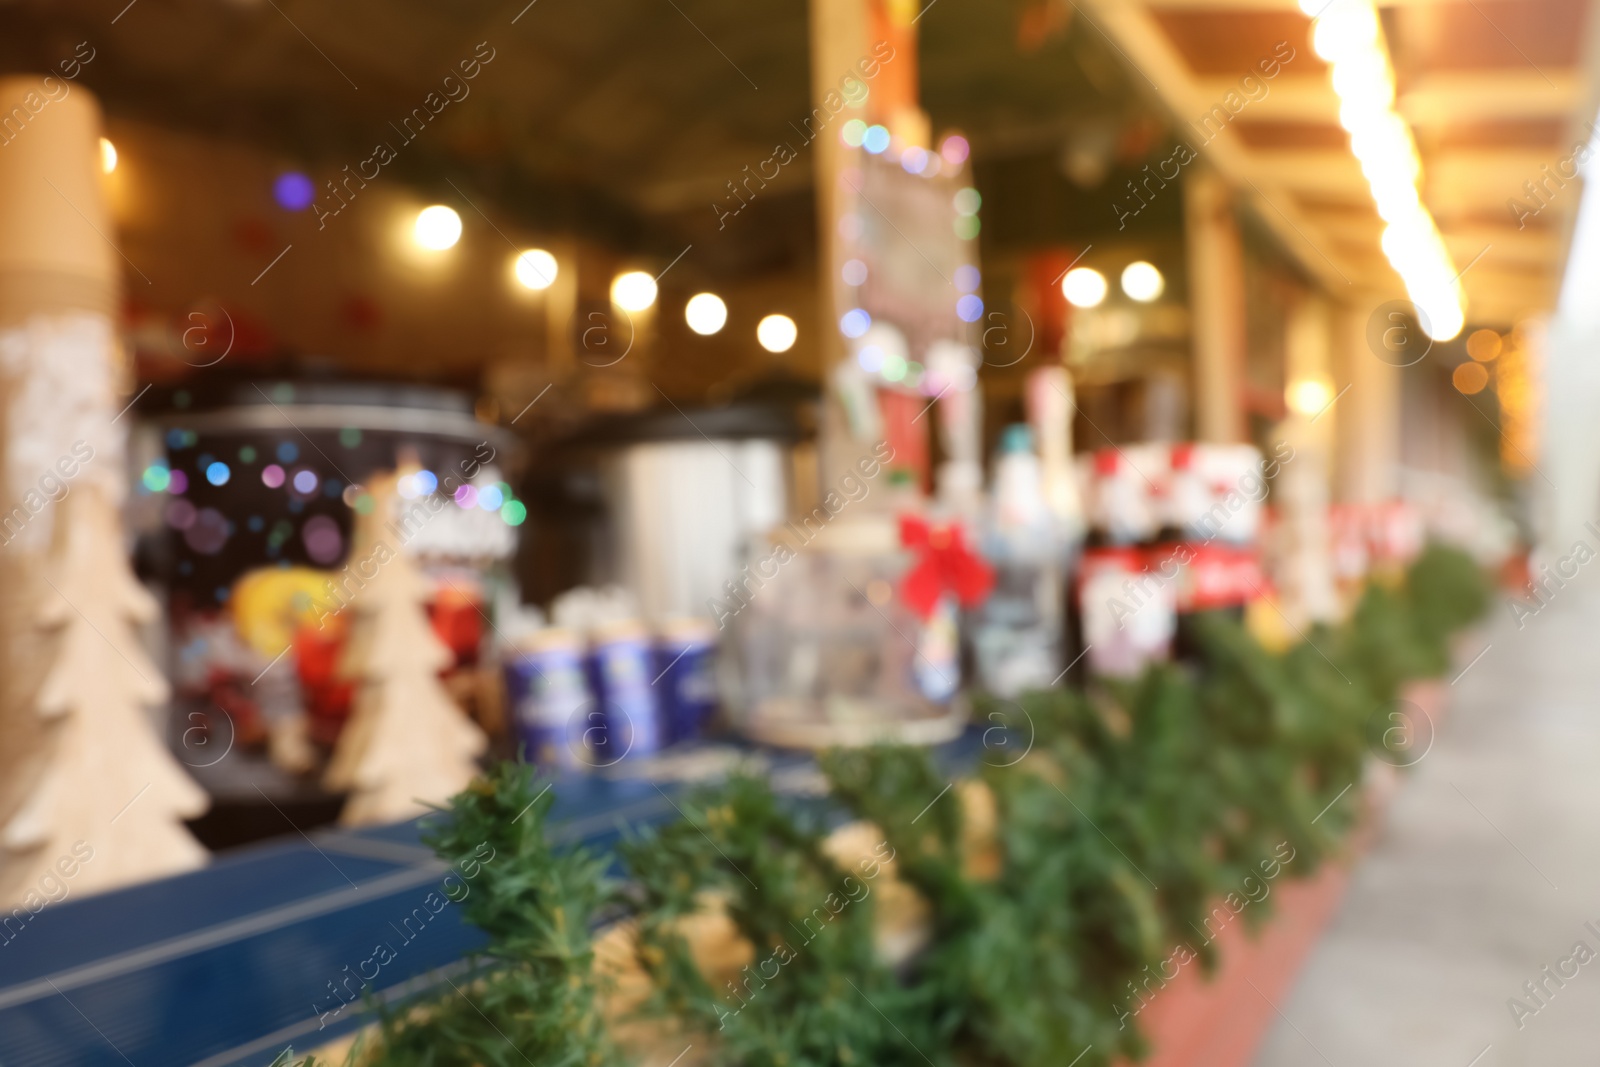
x: 1122, y: 615
x: 1017, y: 636
x: 1206, y: 547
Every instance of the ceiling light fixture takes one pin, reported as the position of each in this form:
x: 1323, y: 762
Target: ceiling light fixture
x: 1349, y: 36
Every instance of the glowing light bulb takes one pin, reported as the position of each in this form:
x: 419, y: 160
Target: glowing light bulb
x: 536, y: 268
x: 1308, y: 396
x: 705, y: 313
x: 108, y: 155
x: 777, y: 333
x: 1345, y: 28
x: 1142, y: 281
x: 438, y: 227
x: 1084, y: 287
x: 633, y: 291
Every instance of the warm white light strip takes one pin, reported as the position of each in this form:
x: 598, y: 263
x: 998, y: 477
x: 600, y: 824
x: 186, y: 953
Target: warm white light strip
x: 1347, y: 34
x: 1578, y: 306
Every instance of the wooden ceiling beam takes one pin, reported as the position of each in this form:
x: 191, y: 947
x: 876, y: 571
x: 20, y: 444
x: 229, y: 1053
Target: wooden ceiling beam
x: 1322, y: 171
x: 1290, y: 98
x: 1234, y: 7
x: 1434, y: 100
x: 1506, y: 245
x: 1480, y: 96
x: 1134, y: 32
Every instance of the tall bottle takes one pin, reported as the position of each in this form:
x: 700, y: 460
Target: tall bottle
x: 1017, y: 636
x: 1207, y: 547
x: 1123, y: 614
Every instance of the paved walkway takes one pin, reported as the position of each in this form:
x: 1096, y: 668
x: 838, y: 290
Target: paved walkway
x: 1483, y: 873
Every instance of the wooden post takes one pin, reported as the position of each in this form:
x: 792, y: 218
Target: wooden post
x: 1305, y: 578
x: 838, y: 39
x: 1216, y: 302
x: 1367, y: 417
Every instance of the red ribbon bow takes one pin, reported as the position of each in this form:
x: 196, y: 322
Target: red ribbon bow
x: 944, y: 565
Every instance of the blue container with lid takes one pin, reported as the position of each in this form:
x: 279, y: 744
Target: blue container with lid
x: 627, y: 721
x: 547, y: 691
x: 685, y: 677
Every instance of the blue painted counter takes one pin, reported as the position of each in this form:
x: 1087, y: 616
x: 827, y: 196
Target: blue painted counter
x: 229, y: 964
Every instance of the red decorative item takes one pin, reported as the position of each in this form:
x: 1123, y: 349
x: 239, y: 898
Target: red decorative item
x: 458, y: 622
x: 944, y: 565
x: 909, y: 441
x: 327, y: 696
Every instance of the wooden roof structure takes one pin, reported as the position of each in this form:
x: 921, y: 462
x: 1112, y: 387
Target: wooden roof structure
x: 1498, y: 93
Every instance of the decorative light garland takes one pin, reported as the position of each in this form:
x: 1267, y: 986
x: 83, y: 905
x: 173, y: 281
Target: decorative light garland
x: 1348, y: 35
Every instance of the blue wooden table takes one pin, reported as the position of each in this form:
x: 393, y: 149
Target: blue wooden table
x: 230, y: 964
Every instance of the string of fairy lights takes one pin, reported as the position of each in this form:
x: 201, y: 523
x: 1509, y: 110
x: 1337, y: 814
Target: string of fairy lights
x: 438, y: 227
x: 1347, y: 34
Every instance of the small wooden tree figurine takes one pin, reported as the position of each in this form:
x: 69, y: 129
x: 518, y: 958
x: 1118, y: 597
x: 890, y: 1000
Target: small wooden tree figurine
x: 407, y: 744
x: 109, y: 788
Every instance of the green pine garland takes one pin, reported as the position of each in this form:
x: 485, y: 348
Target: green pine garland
x: 1135, y: 811
x: 814, y: 995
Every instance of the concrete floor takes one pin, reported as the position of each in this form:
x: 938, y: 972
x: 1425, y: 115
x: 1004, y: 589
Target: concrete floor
x: 1485, y: 870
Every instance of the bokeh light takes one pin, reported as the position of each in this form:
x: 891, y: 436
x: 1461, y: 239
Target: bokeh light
x: 777, y: 333
x: 322, y: 539
x: 1484, y: 345
x: 1142, y: 281
x: 293, y: 191
x: 1470, y: 377
x: 854, y: 323
x: 536, y: 269
x: 437, y: 228
x: 633, y: 291
x: 1084, y: 287
x: 1308, y: 396
x: 705, y: 313
x: 156, y: 476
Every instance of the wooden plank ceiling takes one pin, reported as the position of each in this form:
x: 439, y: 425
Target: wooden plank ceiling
x: 1495, y: 92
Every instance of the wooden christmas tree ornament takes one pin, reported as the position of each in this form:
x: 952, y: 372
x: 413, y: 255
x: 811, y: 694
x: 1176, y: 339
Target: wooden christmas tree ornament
x: 407, y: 744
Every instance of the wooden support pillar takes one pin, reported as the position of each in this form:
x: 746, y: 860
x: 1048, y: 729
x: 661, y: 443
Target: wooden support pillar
x: 839, y: 31
x: 1216, y: 302
x: 844, y: 35
x: 1302, y: 492
x: 1367, y: 416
